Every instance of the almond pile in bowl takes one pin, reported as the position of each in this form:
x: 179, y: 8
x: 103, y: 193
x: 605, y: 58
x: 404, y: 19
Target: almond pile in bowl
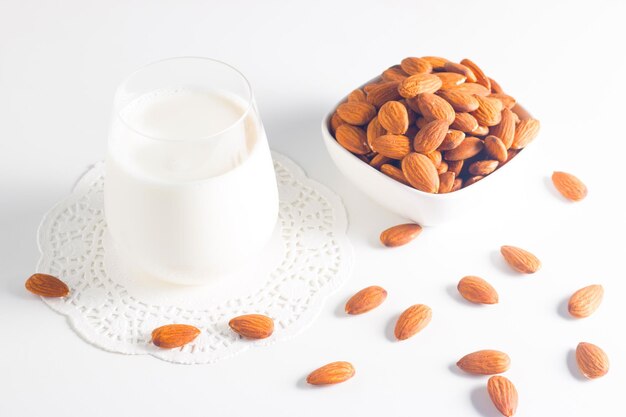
x: 433, y: 124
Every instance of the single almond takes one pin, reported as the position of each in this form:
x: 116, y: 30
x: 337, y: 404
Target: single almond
x: 435, y: 157
x: 592, y: 361
x: 453, y: 139
x: 471, y: 88
x: 357, y: 95
x: 479, y: 131
x: 495, y: 148
x: 374, y: 130
x: 395, y: 173
x: 433, y: 107
x: 416, y: 65
x: 420, y: 172
x: 464, y: 122
x: 477, y: 290
x: 460, y: 69
x: 383, y: 92
x: 489, y: 111
x: 446, y: 181
x: 521, y: 260
x: 395, y: 73
x: 400, y: 235
x: 431, y: 136
x: 392, y: 146
x: 472, y: 180
x: 379, y: 160
x: 525, y: 132
x: 456, y: 167
x: 335, y: 122
x: 172, y: 336
x: 505, y: 130
x: 252, y: 326
x: 46, y: 285
x: 483, y: 168
x: 365, y: 300
x: 412, y: 321
x: 353, y: 138
x: 503, y: 395
x: 585, y: 301
x: 460, y: 102
x: 394, y: 117
x: 356, y: 113
x: 441, y: 168
x: 481, y: 78
x: 485, y: 362
x: 436, y: 62
x: 569, y: 186
x: 332, y: 373
x: 470, y: 147
x: 418, y: 84
x: 450, y: 79
x: 370, y: 86
x: 507, y: 101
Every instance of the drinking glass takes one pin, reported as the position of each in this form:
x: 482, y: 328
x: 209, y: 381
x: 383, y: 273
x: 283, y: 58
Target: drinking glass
x: 190, y: 191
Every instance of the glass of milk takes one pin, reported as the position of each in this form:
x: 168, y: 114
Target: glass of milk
x: 190, y: 192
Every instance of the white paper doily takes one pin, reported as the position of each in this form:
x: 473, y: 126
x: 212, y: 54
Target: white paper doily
x: 309, y: 257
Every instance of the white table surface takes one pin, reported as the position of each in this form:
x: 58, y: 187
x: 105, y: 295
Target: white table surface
x: 59, y: 65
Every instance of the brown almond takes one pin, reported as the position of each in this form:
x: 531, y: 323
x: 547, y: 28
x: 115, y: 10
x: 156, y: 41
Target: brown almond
x: 430, y: 137
x: 335, y: 122
x: 483, y: 168
x: 435, y: 157
x: 460, y: 69
x: 495, y: 148
x: 374, y: 130
x: 369, y: 87
x: 400, y: 235
x: 569, y: 186
x: 252, y: 326
x: 495, y: 87
x: 464, y: 122
x: 172, y: 336
x: 503, y: 395
x: 383, y: 92
x: 585, y: 301
x: 365, y: 300
x: 441, y: 168
x: 392, y: 146
x: 395, y: 173
x: 458, y: 184
x: 352, y: 138
x: 472, y: 180
x: 446, y: 181
x: 525, y: 132
x: 456, y: 167
x: 418, y: 84
x: 470, y: 147
x: 433, y: 107
x: 453, y: 139
x: 357, y: 95
x: 481, y: 78
x: 421, y: 122
x: 460, y: 102
x: 479, y: 131
x: 46, y: 285
x: 412, y: 321
x: 489, y: 111
x: 394, y: 117
x: 485, y: 362
x: 477, y: 290
x: 592, y: 361
x: 420, y: 172
x: 357, y: 113
x: 507, y: 101
x: 379, y: 160
x: 332, y: 373
x: 450, y: 79
x: 416, y: 66
x: 520, y: 259
x: 505, y: 130
x: 436, y: 62
x: 395, y: 73
x: 471, y: 88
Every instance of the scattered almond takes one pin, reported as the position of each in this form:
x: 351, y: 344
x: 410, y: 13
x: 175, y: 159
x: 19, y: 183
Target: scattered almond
x: 520, y: 259
x: 503, y: 395
x: 485, y: 362
x: 400, y: 235
x: 569, y: 186
x: 332, y: 373
x: 252, y: 326
x: 412, y: 321
x: 172, y: 336
x: 365, y: 300
x: 477, y: 290
x: 46, y: 285
x: 592, y: 361
x: 585, y: 301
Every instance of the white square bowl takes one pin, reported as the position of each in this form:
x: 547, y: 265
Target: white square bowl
x: 423, y: 208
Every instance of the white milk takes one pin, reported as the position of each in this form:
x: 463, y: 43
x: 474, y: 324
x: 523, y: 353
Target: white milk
x: 196, y: 204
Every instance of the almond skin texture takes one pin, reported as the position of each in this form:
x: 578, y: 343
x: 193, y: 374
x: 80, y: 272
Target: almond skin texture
x: 412, y: 320
x: 485, y: 167
x: 420, y: 172
x: 383, y: 92
x: 431, y: 136
x: 400, y: 235
x: 592, y: 361
x: 174, y: 335
x: 418, y: 84
x: 585, y: 301
x: 433, y: 107
x: 506, y: 129
x: 453, y: 139
x: 395, y: 73
x: 569, y: 186
x: 415, y: 66
x: 436, y: 62
x: 489, y: 111
x: 335, y: 122
x: 470, y: 147
x: 525, y: 132
x: 395, y: 173
x: 481, y: 78
x: 450, y: 79
x: 520, y: 259
x: 365, y: 300
x: 477, y: 290
x: 503, y: 395
x: 394, y: 117
x: 460, y: 69
x: 46, y: 285
x: 459, y: 101
x: 374, y: 130
x: 356, y: 113
x: 352, y: 138
x: 357, y: 95
x: 456, y: 167
x: 392, y: 146
x: 332, y: 373
x: 464, y: 122
x: 471, y: 88
x: 495, y: 148
x: 252, y: 326
x: 485, y: 362
x: 446, y: 182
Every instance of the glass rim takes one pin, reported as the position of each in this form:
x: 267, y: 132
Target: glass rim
x: 126, y: 80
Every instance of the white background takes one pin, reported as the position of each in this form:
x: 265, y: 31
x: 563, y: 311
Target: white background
x: 60, y: 62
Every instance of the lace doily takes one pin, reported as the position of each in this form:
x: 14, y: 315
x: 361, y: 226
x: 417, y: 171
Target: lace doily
x: 309, y: 257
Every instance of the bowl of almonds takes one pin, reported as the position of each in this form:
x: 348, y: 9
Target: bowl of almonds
x: 429, y: 138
